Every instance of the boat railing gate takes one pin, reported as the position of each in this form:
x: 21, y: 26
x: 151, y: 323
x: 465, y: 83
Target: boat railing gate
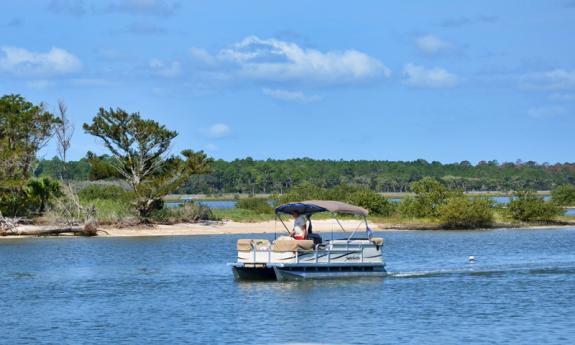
x: 359, y: 249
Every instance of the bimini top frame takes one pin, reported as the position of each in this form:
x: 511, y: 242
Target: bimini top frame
x: 314, y: 206
x: 308, y: 208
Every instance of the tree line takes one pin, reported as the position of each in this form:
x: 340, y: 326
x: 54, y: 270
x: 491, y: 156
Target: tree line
x: 249, y: 176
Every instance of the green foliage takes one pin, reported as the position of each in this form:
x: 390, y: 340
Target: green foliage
x: 375, y: 203
x: 460, y: 212
x: 110, y: 211
x: 429, y: 195
x: 527, y: 206
x: 101, y: 167
x: 16, y: 203
x: 241, y: 215
x: 42, y: 191
x: 259, y: 205
x: 187, y: 213
x: 139, y: 149
x: 24, y: 129
x: 103, y: 192
x: 75, y: 170
x: 304, y: 191
x: 409, y: 207
x: 35, y: 197
x: 248, y: 176
x: 564, y: 195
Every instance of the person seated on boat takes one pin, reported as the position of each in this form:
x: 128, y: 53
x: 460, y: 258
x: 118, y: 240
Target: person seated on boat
x: 299, y: 231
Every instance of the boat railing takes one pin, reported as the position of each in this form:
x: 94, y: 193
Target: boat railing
x: 328, y: 250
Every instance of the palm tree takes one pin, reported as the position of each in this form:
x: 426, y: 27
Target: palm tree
x: 42, y: 191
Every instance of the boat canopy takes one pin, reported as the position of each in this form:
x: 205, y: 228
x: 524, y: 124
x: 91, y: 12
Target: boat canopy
x: 315, y: 206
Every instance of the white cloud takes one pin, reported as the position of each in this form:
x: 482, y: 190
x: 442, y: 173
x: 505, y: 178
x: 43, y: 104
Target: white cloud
x: 201, y: 55
x: 430, y: 44
x: 552, y: 80
x: 167, y: 70
x: 419, y: 76
x: 218, y: 130
x: 291, y: 96
x: 276, y: 60
x: 19, y: 61
x: 546, y: 112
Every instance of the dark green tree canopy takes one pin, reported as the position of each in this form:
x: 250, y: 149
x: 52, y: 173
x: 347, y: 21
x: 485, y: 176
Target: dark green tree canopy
x: 137, y: 144
x: 564, y: 195
x: 24, y: 129
x: 140, y: 154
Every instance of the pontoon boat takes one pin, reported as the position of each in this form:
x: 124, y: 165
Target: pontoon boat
x: 288, y: 259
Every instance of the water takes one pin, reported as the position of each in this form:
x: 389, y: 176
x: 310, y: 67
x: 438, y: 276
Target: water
x: 496, y: 199
x: 209, y: 203
x: 179, y: 290
x: 232, y: 203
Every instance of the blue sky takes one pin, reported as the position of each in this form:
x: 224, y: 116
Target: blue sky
x: 441, y: 80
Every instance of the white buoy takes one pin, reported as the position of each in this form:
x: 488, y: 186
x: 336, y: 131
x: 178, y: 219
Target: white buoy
x: 471, y: 258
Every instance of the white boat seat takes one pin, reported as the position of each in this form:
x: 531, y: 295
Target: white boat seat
x: 246, y: 245
x: 292, y: 246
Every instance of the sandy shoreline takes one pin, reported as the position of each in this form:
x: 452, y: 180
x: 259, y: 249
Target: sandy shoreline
x: 209, y: 228
x: 230, y: 227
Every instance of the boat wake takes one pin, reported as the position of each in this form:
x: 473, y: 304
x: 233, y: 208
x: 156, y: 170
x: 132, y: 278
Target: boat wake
x: 491, y: 272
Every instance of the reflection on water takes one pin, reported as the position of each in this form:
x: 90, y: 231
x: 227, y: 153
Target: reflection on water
x: 180, y: 290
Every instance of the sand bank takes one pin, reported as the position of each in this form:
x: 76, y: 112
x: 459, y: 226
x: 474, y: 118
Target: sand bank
x: 230, y: 227
x: 215, y: 228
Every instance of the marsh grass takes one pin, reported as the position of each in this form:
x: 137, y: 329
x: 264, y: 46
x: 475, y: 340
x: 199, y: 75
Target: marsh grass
x: 241, y: 215
x: 107, y: 212
x: 187, y: 213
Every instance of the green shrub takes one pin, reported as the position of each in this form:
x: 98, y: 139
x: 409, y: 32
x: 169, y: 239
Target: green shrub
x: 104, y: 212
x: 564, y: 195
x: 103, y: 192
x: 430, y: 194
x: 259, y: 205
x: 14, y: 203
x: 461, y: 212
x: 302, y: 192
x: 409, y: 207
x: 375, y: 203
x: 527, y: 206
x: 35, y: 197
x: 241, y: 215
x: 187, y: 213
x: 111, y: 211
x: 42, y: 192
x: 342, y: 192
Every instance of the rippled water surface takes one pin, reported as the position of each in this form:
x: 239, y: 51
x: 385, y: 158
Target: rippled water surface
x: 175, y: 290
